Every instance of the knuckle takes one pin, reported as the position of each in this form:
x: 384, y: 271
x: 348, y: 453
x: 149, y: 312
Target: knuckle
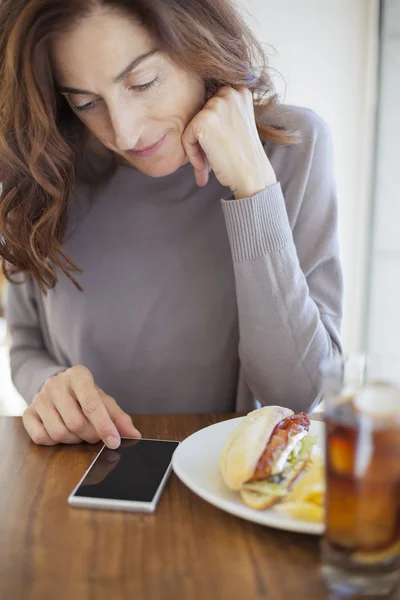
x: 48, y: 385
x: 91, y: 405
x: 27, y: 411
x: 213, y: 112
x: 213, y: 115
x: 216, y: 101
x: 51, y: 383
x: 60, y: 435
x: 40, y: 438
x: 92, y: 438
x: 78, y: 371
x: 76, y: 423
x: 224, y: 90
x: 38, y: 401
x: 231, y: 93
x: 28, y: 415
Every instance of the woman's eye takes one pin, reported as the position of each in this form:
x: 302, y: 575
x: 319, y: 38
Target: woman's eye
x: 84, y: 107
x: 144, y: 86
x: 138, y: 88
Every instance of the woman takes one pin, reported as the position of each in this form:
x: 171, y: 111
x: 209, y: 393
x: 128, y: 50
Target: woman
x: 172, y: 243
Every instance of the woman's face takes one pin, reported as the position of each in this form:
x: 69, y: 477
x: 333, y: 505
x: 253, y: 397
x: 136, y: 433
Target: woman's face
x: 130, y: 95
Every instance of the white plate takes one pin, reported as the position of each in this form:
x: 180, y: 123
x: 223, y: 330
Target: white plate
x: 196, y: 463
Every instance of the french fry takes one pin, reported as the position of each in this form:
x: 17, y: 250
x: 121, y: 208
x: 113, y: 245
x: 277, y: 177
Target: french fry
x: 314, y: 493
x: 304, y: 511
x: 311, y: 486
x: 306, y: 500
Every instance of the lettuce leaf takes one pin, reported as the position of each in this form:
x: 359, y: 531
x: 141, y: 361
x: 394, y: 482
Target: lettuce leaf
x: 265, y: 487
x: 305, y: 446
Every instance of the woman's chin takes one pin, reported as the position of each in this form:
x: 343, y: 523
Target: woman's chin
x: 160, y: 166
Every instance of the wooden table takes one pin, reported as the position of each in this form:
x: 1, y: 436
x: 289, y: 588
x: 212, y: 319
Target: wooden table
x: 186, y: 550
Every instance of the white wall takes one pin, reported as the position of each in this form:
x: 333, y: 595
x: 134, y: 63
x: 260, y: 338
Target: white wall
x: 326, y: 51
x: 384, y: 317
x: 11, y: 402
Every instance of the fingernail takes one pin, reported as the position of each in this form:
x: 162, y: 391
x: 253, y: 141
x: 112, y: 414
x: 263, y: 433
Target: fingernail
x: 112, y: 442
x: 137, y: 433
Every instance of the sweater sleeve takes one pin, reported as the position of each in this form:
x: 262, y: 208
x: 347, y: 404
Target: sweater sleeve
x: 31, y: 364
x: 288, y: 275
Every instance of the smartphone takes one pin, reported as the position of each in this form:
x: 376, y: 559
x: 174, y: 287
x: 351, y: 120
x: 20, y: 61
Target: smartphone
x: 130, y: 478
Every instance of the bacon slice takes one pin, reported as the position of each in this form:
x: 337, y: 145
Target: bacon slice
x: 278, y: 441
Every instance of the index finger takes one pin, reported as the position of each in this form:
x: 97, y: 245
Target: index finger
x: 85, y: 391
x: 196, y: 155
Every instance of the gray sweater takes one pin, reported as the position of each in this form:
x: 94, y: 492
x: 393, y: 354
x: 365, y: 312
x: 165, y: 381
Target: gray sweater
x: 194, y: 302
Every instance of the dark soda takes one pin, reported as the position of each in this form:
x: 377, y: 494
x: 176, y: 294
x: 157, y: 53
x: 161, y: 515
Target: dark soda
x: 363, y: 486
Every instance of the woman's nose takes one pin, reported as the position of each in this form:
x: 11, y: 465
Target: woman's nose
x: 127, y: 129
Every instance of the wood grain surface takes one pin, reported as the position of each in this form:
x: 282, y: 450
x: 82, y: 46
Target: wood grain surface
x: 186, y: 550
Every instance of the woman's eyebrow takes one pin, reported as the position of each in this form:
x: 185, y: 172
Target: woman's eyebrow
x: 132, y: 65
x: 135, y: 63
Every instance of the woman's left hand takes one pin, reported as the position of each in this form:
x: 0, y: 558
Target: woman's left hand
x: 223, y: 137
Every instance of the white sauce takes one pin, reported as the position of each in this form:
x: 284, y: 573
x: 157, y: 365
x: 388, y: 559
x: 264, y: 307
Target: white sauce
x: 281, y: 462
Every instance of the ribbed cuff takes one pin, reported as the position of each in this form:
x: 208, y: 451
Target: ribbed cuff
x: 258, y: 225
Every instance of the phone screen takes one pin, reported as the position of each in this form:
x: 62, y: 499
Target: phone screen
x: 133, y: 472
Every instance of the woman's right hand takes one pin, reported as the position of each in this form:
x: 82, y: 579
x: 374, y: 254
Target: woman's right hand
x: 71, y: 408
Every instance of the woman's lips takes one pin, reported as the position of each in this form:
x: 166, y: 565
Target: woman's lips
x: 149, y: 150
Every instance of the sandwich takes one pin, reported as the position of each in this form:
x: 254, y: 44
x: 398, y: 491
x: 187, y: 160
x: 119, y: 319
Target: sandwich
x: 264, y: 455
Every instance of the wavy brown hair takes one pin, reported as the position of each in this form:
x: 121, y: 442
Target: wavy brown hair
x: 42, y: 141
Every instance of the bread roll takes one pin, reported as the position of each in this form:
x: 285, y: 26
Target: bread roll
x: 246, y: 443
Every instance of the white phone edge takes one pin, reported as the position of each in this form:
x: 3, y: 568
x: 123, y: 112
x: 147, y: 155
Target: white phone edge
x: 125, y: 505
